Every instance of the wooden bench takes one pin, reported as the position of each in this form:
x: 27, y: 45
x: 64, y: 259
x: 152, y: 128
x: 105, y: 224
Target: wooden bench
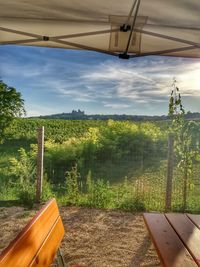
x: 38, y: 242
x: 176, y: 238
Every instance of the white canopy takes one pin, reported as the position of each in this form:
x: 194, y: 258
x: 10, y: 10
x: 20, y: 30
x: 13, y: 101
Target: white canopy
x: 124, y: 28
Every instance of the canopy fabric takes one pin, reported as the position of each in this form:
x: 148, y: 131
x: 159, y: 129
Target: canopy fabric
x: 124, y: 28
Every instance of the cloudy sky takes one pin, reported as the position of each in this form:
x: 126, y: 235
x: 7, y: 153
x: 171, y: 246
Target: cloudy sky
x: 57, y: 80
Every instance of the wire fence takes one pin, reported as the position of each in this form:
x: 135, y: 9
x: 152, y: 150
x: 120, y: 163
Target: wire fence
x: 146, y: 174
x: 123, y: 155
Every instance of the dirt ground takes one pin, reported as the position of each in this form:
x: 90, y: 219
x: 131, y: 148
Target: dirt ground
x: 93, y: 237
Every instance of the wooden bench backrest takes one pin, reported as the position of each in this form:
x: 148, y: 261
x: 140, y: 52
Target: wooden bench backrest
x: 37, y: 243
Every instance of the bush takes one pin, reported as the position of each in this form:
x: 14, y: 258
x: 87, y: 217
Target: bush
x: 26, y: 195
x: 133, y: 204
x: 23, y: 168
x: 72, y: 185
x: 99, y: 194
x: 47, y: 189
x: 114, y: 142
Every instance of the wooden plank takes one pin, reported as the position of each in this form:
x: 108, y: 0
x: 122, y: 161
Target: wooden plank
x: 47, y: 251
x: 22, y: 249
x: 195, y: 219
x: 188, y: 233
x: 170, y: 248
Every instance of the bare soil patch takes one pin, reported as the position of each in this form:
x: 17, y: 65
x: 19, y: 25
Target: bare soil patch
x: 93, y: 237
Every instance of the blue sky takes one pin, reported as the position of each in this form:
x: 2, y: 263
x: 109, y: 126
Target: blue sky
x: 57, y: 80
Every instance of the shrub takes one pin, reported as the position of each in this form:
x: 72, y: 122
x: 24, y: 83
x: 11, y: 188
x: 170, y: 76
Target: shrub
x: 23, y: 168
x: 72, y: 185
x: 47, y: 189
x: 99, y: 193
x: 26, y: 195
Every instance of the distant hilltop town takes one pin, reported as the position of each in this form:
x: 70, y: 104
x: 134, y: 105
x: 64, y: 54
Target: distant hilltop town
x: 80, y: 115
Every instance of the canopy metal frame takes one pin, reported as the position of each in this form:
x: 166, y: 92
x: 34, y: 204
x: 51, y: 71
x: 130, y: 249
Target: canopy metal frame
x: 127, y: 27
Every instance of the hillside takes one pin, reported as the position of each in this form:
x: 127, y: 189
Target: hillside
x: 80, y: 115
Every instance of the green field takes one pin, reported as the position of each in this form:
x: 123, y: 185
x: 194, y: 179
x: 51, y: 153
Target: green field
x: 105, y: 164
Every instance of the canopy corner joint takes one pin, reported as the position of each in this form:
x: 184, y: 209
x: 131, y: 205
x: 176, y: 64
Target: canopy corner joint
x: 45, y: 38
x: 125, y: 28
x: 124, y: 56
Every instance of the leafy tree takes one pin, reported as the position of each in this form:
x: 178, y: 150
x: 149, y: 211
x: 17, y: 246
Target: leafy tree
x: 11, y: 105
x: 186, y: 138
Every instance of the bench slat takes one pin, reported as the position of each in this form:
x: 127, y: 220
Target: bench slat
x: 195, y: 219
x: 171, y: 250
x: 188, y: 233
x: 46, y: 254
x: 25, y: 246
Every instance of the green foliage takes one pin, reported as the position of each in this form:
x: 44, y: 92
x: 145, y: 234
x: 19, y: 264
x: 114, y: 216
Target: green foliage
x: 125, y: 140
x: 126, y: 198
x: 114, y: 142
x: 94, y: 157
x: 23, y: 168
x: 47, y: 189
x: 57, y: 130
x: 186, y: 138
x: 60, y: 158
x: 72, y: 187
x: 133, y: 204
x: 26, y: 194
x: 23, y: 172
x: 175, y: 103
x: 99, y: 194
x: 11, y: 105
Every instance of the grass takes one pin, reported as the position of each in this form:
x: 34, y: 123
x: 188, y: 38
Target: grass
x: 147, y: 192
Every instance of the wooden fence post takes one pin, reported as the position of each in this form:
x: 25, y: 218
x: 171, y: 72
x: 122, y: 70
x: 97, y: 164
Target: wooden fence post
x: 40, y: 156
x: 170, y: 166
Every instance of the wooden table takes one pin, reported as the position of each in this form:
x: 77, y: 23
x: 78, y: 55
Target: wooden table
x: 176, y: 238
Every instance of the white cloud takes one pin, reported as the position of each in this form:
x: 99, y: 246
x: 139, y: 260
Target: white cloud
x: 141, y: 82
x: 114, y: 84
x: 37, y: 110
x: 116, y: 106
